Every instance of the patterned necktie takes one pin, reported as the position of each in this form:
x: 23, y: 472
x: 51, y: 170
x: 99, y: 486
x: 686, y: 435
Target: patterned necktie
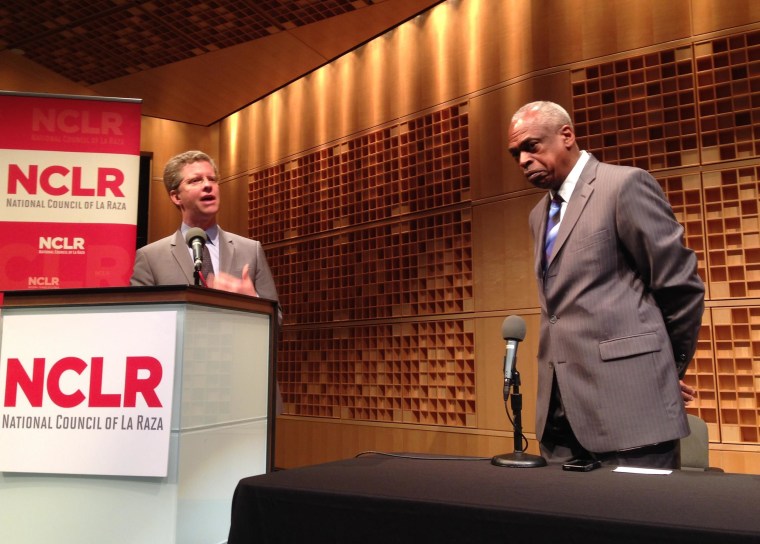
x: 552, y: 226
x: 207, y: 267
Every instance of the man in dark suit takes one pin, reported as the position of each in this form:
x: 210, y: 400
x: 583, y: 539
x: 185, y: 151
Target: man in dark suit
x: 240, y: 266
x: 621, y: 301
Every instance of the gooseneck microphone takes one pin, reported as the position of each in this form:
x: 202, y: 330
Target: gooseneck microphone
x: 196, y: 238
x: 513, y: 332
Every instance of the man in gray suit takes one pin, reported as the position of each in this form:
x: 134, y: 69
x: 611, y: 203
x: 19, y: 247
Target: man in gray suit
x: 240, y: 266
x: 621, y: 301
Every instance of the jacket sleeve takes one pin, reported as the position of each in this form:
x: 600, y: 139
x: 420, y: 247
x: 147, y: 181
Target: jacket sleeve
x: 141, y: 272
x: 262, y: 279
x: 653, y: 238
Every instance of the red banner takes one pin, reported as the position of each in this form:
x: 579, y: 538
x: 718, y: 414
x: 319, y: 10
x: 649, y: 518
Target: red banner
x: 69, y: 177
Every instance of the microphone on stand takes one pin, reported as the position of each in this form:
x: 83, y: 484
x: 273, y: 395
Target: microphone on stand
x: 513, y: 331
x: 196, y: 238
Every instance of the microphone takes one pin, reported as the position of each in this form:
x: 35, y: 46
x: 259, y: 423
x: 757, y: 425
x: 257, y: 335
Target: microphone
x: 196, y: 238
x: 513, y: 331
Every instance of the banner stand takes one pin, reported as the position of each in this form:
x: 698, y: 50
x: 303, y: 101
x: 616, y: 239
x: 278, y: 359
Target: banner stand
x: 69, y: 185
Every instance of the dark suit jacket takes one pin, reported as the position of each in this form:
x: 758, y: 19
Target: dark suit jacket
x: 168, y: 262
x: 621, y: 307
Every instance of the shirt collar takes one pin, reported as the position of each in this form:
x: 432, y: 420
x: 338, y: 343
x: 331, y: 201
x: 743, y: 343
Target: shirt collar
x: 568, y: 186
x: 211, y: 232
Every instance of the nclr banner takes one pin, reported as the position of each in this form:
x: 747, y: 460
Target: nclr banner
x: 94, y: 398
x: 69, y: 178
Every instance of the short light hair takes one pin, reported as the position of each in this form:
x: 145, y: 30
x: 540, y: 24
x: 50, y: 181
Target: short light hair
x: 547, y: 113
x: 173, y: 168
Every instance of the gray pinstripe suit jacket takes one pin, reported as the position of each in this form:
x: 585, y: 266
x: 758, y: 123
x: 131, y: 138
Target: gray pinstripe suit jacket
x: 621, y: 308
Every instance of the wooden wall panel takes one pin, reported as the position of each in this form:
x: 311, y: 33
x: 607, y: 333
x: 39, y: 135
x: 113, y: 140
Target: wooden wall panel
x: 712, y: 15
x: 233, y: 213
x: 237, y: 132
x: 588, y: 29
x: 301, y: 441
x: 503, y: 254
x: 164, y: 216
x: 165, y: 139
x: 743, y: 461
x: 456, y: 49
x: 164, y: 86
x: 17, y: 73
x: 370, y: 240
x: 494, y: 171
x: 490, y: 348
x: 408, y: 70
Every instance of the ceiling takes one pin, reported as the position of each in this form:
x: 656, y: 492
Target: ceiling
x: 189, y: 60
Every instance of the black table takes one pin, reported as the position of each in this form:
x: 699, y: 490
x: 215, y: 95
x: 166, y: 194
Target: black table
x: 387, y: 499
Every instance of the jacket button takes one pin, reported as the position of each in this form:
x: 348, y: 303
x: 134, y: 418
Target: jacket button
x: 553, y: 319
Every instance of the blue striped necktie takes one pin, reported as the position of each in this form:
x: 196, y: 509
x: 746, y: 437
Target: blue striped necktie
x: 552, y: 226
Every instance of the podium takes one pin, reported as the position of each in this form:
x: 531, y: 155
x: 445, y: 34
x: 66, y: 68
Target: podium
x: 222, y: 422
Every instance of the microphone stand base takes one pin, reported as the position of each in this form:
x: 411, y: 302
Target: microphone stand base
x: 518, y: 459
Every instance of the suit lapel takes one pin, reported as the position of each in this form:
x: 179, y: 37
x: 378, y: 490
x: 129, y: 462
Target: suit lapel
x: 181, y: 256
x: 226, y: 251
x: 578, y: 201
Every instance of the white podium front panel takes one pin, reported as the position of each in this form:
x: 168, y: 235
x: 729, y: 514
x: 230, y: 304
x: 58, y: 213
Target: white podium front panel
x: 87, y: 392
x: 219, y: 434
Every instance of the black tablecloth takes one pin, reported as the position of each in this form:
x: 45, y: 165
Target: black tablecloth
x: 388, y: 499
